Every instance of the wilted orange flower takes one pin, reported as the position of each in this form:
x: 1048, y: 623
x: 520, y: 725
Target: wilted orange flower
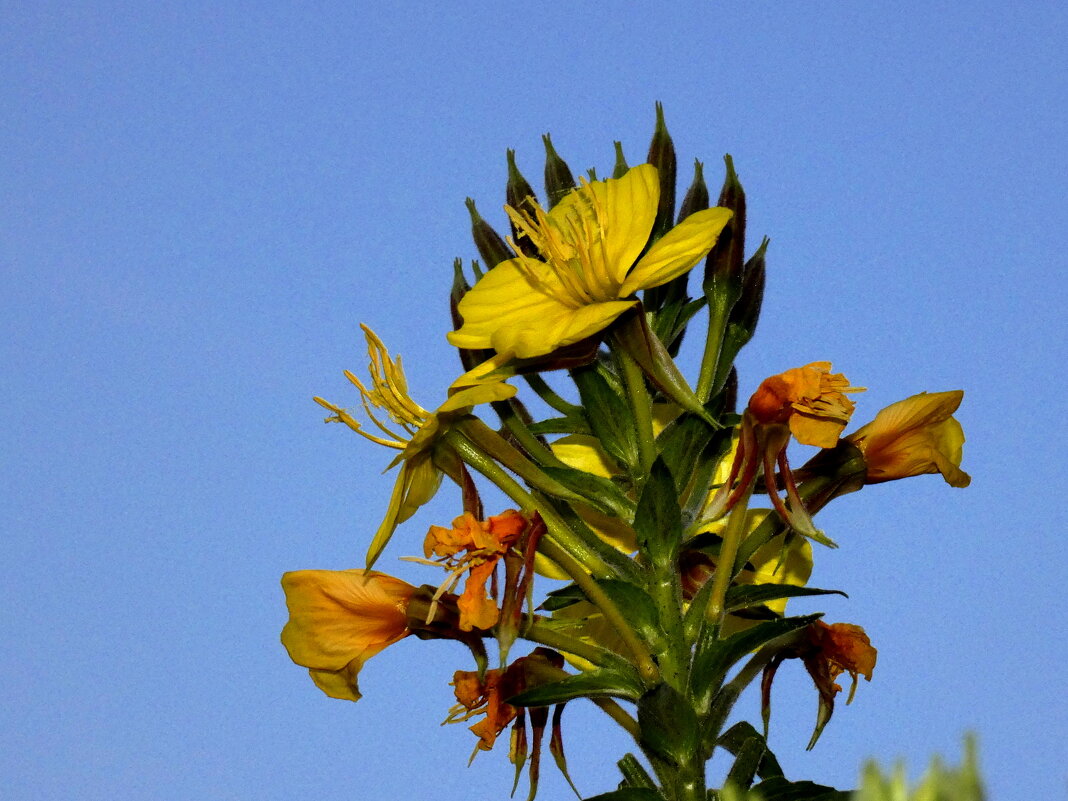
x: 807, y: 403
x: 834, y: 649
x: 482, y: 544
x: 914, y: 436
x: 338, y: 619
x: 809, y: 399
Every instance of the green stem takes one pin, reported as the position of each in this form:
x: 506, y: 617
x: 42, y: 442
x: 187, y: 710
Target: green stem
x: 619, y: 715
x: 524, y: 436
x: 728, y: 549
x: 597, y: 596
x: 547, y: 394
x: 543, y: 635
x: 719, y: 307
x: 642, y: 408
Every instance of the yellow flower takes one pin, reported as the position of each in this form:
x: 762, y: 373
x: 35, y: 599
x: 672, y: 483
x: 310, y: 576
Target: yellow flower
x: 915, y: 436
x: 410, y: 428
x: 338, y: 619
x: 589, y: 271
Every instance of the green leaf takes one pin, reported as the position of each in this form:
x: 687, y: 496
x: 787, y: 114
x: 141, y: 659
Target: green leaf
x: 667, y: 725
x: 635, y: 604
x: 743, y: 596
x: 569, y: 424
x: 715, y: 657
x: 746, y: 761
x: 563, y: 598
x: 735, y: 738
x: 600, y: 683
x: 609, y: 416
x: 779, y: 789
x: 628, y: 794
x: 600, y: 492
x: 658, y: 519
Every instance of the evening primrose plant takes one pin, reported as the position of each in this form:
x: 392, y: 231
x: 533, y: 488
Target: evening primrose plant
x: 635, y: 567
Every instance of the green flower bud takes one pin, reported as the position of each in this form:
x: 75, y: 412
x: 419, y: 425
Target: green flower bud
x: 662, y: 156
x: 558, y: 178
x: 491, y: 247
x: 516, y: 194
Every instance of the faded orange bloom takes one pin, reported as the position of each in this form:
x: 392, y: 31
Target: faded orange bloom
x: 338, y: 619
x: 914, y: 436
x: 809, y: 399
x: 482, y: 543
x: 834, y: 649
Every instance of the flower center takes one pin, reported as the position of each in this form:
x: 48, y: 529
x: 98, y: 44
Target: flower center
x: 571, y: 240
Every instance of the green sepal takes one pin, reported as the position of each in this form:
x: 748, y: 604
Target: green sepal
x: 609, y: 416
x: 558, y: 178
x: 667, y: 725
x: 634, y: 773
x: 658, y: 519
x: 714, y: 658
x: 562, y: 598
x: 687, y: 444
x: 628, y: 794
x: 734, y: 740
x: 619, y: 682
x: 778, y: 788
x: 620, y: 167
x: 743, y: 596
x: 601, y: 493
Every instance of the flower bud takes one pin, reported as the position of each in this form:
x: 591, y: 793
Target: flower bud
x: 662, y: 156
x: 491, y: 247
x: 697, y: 195
x: 558, y: 178
x: 621, y: 162
x: 725, y: 260
x: 517, y: 193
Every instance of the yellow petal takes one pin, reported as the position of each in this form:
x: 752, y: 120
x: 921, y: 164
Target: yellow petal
x: 474, y: 395
x: 678, y: 250
x: 340, y: 684
x: 336, y: 616
x: 629, y: 211
x: 554, y: 327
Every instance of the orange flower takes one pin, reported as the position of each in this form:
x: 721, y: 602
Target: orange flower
x: 338, y: 619
x: 483, y: 543
x: 827, y: 651
x: 915, y: 436
x: 806, y: 402
x: 809, y: 399
x: 834, y: 649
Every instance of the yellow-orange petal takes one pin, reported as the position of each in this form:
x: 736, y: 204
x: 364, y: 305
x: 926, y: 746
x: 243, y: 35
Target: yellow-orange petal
x: 678, y: 250
x: 338, y: 616
x: 477, y: 610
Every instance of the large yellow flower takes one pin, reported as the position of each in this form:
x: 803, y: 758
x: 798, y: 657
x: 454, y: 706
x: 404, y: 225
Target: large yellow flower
x: 338, y: 619
x: 589, y: 271
x: 411, y: 429
x: 915, y: 436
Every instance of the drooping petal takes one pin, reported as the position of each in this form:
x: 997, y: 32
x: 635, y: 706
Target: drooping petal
x: 477, y: 610
x: 337, y: 616
x: 678, y: 250
x: 341, y: 684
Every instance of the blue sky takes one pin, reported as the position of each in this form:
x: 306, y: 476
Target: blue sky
x: 201, y: 201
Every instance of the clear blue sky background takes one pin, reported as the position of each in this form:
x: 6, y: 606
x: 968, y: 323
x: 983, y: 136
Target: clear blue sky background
x: 199, y: 201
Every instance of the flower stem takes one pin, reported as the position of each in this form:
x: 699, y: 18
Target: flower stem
x: 719, y: 307
x: 578, y: 551
x: 732, y: 538
x: 597, y: 596
x: 641, y: 407
x: 547, y: 394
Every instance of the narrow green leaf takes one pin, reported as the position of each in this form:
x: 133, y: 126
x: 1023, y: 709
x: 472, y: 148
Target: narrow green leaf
x: 600, y: 492
x: 658, y: 519
x: 743, y: 596
x: 628, y: 794
x: 779, y: 789
x: 609, y: 416
x: 715, y: 657
x: 570, y: 424
x: 738, y: 735
x: 600, y: 683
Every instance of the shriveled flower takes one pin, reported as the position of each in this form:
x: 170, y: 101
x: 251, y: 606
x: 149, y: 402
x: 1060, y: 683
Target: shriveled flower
x: 807, y: 403
x: 410, y: 429
x: 474, y: 546
x: 589, y: 268
x: 809, y: 399
x: 338, y: 619
x: 827, y: 651
x: 914, y: 436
